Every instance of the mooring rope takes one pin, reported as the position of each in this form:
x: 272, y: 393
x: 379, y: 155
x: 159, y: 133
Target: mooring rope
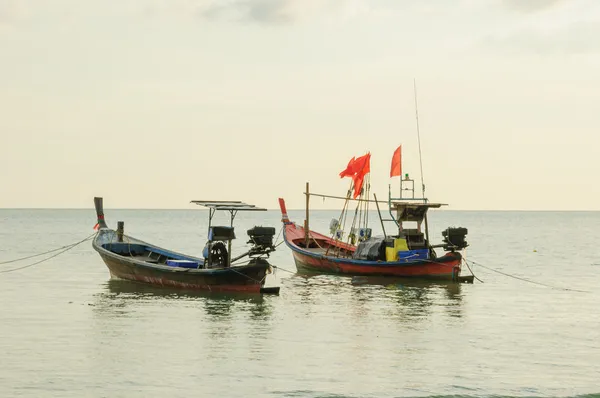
x: 472, y: 273
x: 34, y: 255
x: 63, y: 248
x: 283, y: 269
x: 528, y: 280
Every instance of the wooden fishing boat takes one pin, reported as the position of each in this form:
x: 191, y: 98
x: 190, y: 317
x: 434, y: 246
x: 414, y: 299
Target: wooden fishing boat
x: 407, y: 252
x: 131, y: 259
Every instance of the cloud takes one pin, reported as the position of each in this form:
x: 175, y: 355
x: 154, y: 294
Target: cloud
x: 532, y: 5
x: 264, y: 11
x: 275, y: 11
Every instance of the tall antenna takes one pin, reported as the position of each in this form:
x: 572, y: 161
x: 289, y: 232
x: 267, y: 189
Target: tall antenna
x: 419, y: 135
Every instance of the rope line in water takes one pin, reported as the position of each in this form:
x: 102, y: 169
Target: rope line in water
x: 64, y: 249
x: 34, y: 255
x: 472, y: 273
x: 528, y: 280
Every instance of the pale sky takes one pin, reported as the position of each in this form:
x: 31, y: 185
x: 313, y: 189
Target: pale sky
x: 153, y: 103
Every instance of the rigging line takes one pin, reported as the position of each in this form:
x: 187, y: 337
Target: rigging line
x: 341, y: 219
x: 528, y: 280
x: 419, y: 135
x: 48, y: 258
x: 36, y: 255
x: 356, y: 212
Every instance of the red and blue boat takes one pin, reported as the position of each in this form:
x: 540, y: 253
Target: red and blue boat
x: 405, y: 251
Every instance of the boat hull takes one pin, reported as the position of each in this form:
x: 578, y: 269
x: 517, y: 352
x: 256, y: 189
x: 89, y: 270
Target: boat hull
x: 243, y: 279
x: 439, y: 269
x: 247, y: 278
x: 446, y: 267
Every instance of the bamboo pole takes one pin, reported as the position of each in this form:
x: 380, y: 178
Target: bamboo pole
x: 342, y: 198
x: 120, y: 231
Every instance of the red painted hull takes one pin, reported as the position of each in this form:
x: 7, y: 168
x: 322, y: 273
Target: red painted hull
x: 447, y: 270
x: 447, y: 267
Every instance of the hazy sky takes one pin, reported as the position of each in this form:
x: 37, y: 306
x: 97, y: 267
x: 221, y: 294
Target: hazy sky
x: 154, y: 103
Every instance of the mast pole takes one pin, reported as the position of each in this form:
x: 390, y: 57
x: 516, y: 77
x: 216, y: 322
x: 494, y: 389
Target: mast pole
x: 400, y: 183
x: 418, y: 135
x: 306, y: 232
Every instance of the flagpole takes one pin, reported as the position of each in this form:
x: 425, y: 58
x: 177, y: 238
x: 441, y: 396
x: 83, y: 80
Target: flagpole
x: 400, y: 176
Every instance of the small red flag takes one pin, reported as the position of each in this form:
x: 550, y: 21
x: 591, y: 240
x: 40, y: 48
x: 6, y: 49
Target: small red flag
x: 396, y: 169
x: 96, y: 227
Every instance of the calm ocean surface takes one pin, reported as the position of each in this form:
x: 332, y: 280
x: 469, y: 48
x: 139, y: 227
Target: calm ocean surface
x: 66, y: 330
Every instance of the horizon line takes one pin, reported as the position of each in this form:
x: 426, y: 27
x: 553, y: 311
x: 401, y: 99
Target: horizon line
x: 298, y: 209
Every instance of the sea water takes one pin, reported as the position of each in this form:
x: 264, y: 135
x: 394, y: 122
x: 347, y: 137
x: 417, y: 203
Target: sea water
x: 66, y: 330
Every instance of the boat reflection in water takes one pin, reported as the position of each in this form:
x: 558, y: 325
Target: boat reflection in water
x: 121, y: 297
x: 406, y: 299
x: 451, y: 289
x: 417, y: 297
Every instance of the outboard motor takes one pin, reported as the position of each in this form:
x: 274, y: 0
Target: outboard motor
x: 454, y: 238
x: 261, y: 239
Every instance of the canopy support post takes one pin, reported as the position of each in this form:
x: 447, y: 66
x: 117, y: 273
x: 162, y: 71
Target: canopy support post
x: 380, y: 219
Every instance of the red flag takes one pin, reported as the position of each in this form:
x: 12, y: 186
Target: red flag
x: 362, y: 165
x: 358, y: 183
x: 396, y: 169
x: 362, y: 168
x: 96, y: 227
x: 349, y: 171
